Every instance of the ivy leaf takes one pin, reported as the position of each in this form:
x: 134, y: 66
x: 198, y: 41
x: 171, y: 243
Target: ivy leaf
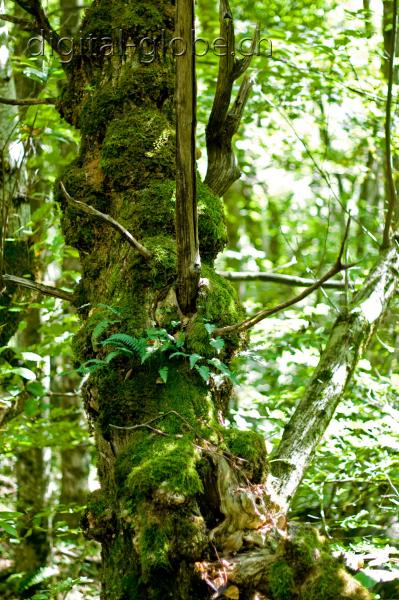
x: 22, y: 372
x: 220, y: 366
x: 210, y: 327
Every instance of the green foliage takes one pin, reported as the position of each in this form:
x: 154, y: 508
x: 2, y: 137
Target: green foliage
x: 156, y: 341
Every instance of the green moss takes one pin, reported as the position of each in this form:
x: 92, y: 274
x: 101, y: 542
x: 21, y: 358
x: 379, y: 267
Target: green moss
x: 282, y: 582
x: 153, y: 541
x: 138, y: 148
x: 303, y: 547
x: 161, y: 268
x: 331, y: 582
x: 151, y: 209
x: 145, y: 84
x: 97, y: 503
x: 169, y: 463
x: 217, y: 304
x: 249, y: 445
x: 98, y: 109
x: 211, y: 222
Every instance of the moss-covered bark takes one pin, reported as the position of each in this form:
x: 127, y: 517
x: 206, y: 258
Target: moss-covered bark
x: 148, y: 514
x: 174, y: 483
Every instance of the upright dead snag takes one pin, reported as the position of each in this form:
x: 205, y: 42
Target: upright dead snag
x: 188, y: 260
x: 224, y: 122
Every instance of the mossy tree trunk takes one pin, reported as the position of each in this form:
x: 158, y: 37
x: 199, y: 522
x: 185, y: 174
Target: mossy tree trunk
x: 153, y: 512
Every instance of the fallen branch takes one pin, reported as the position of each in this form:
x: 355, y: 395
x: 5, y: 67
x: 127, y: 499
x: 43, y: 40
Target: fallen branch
x: 93, y: 212
x: 27, y: 101
x: 290, y: 280
x: 46, y: 290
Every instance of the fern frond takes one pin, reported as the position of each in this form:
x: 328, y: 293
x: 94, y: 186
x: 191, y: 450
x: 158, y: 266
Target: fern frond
x: 99, y: 329
x: 126, y: 342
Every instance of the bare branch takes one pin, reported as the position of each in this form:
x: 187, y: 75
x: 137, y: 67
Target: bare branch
x: 46, y: 290
x: 93, y: 212
x: 188, y: 259
x: 290, y: 280
x: 391, y: 190
x: 268, y: 312
x: 23, y: 24
x: 27, y: 101
x: 35, y: 8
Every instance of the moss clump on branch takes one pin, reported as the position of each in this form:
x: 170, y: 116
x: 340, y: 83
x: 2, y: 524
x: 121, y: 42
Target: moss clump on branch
x: 212, y: 231
x: 330, y: 581
x: 166, y: 465
x: 282, y: 581
x: 249, y: 445
x: 217, y: 304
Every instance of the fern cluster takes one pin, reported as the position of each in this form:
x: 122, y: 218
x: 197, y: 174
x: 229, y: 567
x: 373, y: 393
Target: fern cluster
x: 155, y: 340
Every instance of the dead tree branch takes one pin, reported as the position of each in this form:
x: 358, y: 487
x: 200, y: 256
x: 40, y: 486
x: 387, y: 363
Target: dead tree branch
x: 46, y: 290
x: 27, y: 101
x: 93, y: 212
x: 188, y: 259
x: 223, y: 123
x: 42, y: 23
x: 23, y: 24
x: 268, y: 312
x: 390, y: 181
x: 290, y: 280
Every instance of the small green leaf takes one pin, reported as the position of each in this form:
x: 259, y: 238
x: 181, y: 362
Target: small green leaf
x: 32, y: 356
x: 217, y: 343
x: 163, y: 373
x: 204, y: 372
x: 24, y: 373
x: 35, y: 388
x: 194, y: 358
x: 10, y: 514
x: 8, y: 528
x: 210, y: 327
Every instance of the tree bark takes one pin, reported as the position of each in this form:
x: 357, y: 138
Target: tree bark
x: 348, y: 341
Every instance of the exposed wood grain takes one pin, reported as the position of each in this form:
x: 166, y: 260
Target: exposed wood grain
x: 188, y: 260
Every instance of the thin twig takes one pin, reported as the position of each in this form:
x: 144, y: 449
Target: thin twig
x: 46, y: 290
x: 93, y: 212
x: 268, y: 312
x: 391, y: 190
x: 290, y: 280
x: 27, y: 101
